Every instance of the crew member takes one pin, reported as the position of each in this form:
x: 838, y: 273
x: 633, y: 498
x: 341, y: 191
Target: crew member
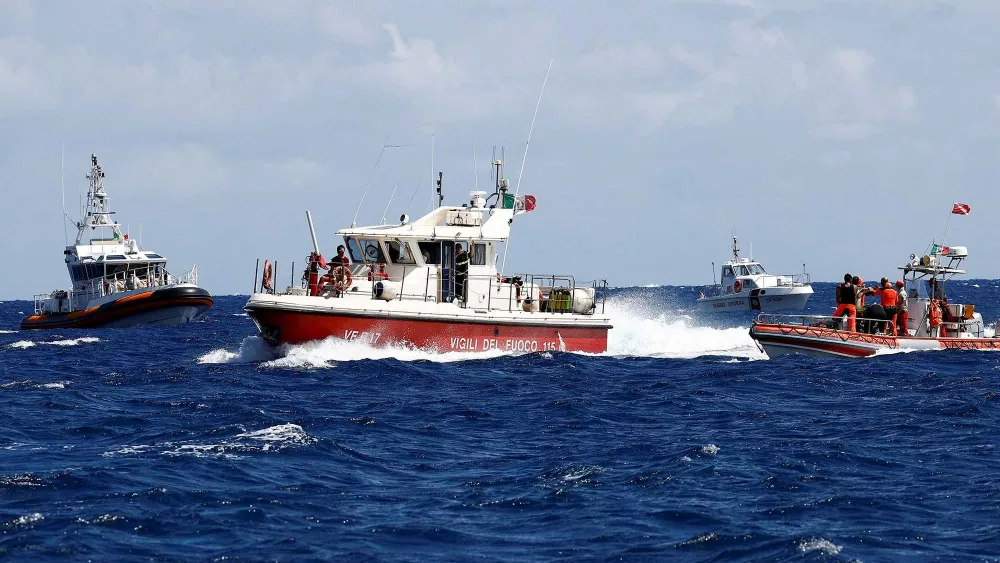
x: 846, y: 295
x: 341, y: 258
x: 859, y: 288
x: 902, y: 316
x: 340, y: 268
x: 888, y: 297
x: 461, y: 272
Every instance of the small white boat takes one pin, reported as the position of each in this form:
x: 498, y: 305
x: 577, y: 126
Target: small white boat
x: 746, y: 286
x: 115, y: 282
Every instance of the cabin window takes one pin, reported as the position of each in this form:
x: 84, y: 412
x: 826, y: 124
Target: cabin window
x: 756, y: 269
x: 478, y: 255
x: 354, y: 249
x: 727, y: 272
x: 373, y: 250
x: 431, y: 252
x: 153, y: 255
x: 115, y: 257
x: 399, y: 252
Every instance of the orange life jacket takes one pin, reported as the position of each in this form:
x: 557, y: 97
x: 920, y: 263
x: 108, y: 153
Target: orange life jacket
x: 935, y: 314
x: 888, y: 295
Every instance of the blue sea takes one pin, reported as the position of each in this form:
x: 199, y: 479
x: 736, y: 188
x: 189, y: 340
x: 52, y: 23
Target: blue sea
x: 682, y: 443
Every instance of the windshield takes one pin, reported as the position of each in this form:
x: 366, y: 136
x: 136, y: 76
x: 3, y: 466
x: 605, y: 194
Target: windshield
x: 399, y: 252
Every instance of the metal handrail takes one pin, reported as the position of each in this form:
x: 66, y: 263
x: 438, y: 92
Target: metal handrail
x: 810, y: 320
x: 544, y: 282
x: 103, y: 286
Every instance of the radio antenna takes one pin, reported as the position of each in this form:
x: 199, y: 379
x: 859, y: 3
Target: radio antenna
x: 390, y: 202
x: 527, y: 144
x: 62, y: 186
x: 385, y: 145
x: 475, y: 165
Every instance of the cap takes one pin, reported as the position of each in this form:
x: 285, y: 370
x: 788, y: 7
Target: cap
x: 899, y: 283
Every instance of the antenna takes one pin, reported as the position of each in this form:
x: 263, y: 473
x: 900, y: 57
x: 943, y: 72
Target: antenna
x: 527, y: 144
x: 532, y: 128
x: 440, y: 195
x: 390, y: 202
x: 430, y: 203
x: 713, y: 273
x: 372, y: 175
x: 414, y: 194
x: 475, y: 165
x: 62, y: 186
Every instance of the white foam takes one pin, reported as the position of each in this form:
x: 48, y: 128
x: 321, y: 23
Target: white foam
x: 7, y: 331
x: 27, y: 519
x: 710, y: 449
x: 74, y: 341
x: 819, y: 544
x: 320, y: 354
x: 640, y: 332
x: 271, y: 439
x: 23, y: 344
x: 252, y: 349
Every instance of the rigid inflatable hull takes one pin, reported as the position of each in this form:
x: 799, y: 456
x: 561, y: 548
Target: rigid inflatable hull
x: 295, y: 327
x: 165, y: 306
x: 778, y: 340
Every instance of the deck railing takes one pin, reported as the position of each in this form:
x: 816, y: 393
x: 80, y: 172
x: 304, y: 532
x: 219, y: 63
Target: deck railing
x: 86, y: 290
x: 869, y: 326
x: 558, y: 292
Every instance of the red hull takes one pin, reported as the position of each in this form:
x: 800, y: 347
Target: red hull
x: 293, y: 327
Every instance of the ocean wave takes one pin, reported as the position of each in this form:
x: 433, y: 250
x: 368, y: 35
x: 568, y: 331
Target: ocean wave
x: 266, y: 440
x: 24, y: 344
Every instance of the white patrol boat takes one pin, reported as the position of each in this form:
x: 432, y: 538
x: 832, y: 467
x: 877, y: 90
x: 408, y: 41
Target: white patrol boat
x: 932, y: 323
x: 115, y: 282
x: 746, y: 286
x: 408, y: 285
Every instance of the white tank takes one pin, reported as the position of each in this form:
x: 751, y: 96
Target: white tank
x: 583, y: 300
x: 386, y: 291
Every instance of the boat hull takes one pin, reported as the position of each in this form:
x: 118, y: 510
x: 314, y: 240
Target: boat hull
x: 778, y: 340
x: 291, y: 326
x: 770, y: 299
x: 162, y: 306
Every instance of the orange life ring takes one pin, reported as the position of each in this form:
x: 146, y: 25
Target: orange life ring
x: 737, y: 286
x: 342, y: 278
x: 267, y: 282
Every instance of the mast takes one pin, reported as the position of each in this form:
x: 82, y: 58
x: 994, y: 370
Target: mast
x: 98, y: 209
x: 736, y: 250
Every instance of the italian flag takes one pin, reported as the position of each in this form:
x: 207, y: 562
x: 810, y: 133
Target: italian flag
x: 520, y: 204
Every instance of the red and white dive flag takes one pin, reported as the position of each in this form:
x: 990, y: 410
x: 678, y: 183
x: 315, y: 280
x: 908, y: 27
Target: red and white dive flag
x: 524, y: 204
x: 960, y: 209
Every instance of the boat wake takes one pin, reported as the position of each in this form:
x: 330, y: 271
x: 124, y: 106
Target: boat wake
x: 637, y: 332
x: 23, y: 344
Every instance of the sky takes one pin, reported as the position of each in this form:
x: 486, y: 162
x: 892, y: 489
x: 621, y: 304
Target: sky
x: 835, y: 134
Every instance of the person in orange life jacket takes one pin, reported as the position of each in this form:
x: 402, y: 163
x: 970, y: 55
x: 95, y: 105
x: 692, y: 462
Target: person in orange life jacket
x: 461, y: 272
x: 902, y: 316
x: 846, y: 295
x: 888, y: 297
